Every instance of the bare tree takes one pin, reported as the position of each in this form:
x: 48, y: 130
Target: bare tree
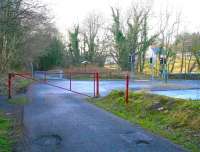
x: 169, y: 29
x: 137, y: 35
x: 119, y: 51
x: 196, y: 47
x: 17, y: 19
x: 90, y: 30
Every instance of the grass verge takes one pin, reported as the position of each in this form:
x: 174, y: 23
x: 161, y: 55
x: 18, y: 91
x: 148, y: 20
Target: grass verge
x: 21, y: 85
x: 5, y: 128
x: 20, y: 100
x: 175, y: 119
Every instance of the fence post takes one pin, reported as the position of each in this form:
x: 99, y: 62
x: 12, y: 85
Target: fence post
x: 127, y: 87
x: 97, y: 84
x: 94, y: 75
x: 9, y: 85
x: 45, y: 76
x: 70, y: 81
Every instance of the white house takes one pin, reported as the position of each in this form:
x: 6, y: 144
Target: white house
x: 152, y: 53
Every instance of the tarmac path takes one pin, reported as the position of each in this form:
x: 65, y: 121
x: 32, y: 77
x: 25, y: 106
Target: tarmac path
x: 58, y: 121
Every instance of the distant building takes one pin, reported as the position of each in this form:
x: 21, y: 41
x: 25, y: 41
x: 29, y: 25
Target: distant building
x: 110, y: 63
x: 152, y: 52
x: 110, y: 60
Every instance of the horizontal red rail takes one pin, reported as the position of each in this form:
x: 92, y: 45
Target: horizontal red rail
x: 21, y: 75
x: 25, y: 73
x: 66, y: 73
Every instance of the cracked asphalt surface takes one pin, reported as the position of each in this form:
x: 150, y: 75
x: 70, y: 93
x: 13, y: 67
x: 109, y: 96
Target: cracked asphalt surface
x: 60, y: 121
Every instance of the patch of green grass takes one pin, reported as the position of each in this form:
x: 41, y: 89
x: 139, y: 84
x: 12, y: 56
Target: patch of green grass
x: 21, y: 100
x: 175, y: 119
x: 3, y: 84
x: 19, y: 85
x: 22, y: 84
x: 5, y: 128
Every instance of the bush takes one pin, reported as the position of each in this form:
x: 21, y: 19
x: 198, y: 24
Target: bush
x: 3, y: 85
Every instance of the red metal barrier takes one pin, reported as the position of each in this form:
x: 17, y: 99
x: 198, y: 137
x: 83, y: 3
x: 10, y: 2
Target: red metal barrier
x: 97, y: 84
x: 25, y: 73
x: 95, y: 76
x: 94, y: 84
x: 9, y: 85
x: 127, y: 91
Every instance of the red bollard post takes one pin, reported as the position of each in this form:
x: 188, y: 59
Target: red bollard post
x: 9, y: 85
x: 97, y: 84
x: 70, y: 81
x: 94, y: 84
x: 127, y: 87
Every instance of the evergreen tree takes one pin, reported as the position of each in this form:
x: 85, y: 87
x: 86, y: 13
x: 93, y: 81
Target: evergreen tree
x: 53, y: 55
x: 74, y: 46
x: 119, y: 40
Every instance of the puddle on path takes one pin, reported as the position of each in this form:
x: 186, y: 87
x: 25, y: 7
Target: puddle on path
x: 138, y: 138
x: 48, y: 140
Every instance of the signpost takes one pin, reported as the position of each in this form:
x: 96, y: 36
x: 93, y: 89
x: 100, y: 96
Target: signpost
x: 152, y: 67
x: 164, y: 69
x: 153, y: 60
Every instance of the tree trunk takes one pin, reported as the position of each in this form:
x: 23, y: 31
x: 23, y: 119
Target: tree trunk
x: 173, y: 64
x: 182, y: 61
x: 143, y: 61
x: 190, y: 58
x: 193, y: 66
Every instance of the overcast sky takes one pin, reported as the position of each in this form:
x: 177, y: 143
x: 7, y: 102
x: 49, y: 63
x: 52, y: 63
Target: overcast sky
x: 69, y: 12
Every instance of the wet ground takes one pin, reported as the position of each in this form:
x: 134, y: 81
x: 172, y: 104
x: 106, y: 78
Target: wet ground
x: 59, y: 121
x: 193, y: 94
x: 6, y: 107
x: 185, y: 89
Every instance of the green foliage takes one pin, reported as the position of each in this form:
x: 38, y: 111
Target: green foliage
x: 116, y: 94
x: 5, y: 127
x: 74, y: 46
x: 21, y: 85
x: 3, y: 84
x: 21, y: 100
x: 53, y: 56
x: 120, y: 40
x: 100, y: 59
x: 19, y: 22
x: 196, y: 47
x: 175, y: 119
x: 10, y: 31
x: 135, y: 41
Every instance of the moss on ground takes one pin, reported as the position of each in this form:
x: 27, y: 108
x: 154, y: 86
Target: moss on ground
x: 21, y: 85
x: 20, y: 100
x: 3, y: 84
x: 5, y: 129
x: 175, y: 119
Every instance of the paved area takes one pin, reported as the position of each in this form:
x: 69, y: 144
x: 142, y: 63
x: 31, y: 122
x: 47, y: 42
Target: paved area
x: 6, y: 107
x: 58, y: 121
x: 185, y: 89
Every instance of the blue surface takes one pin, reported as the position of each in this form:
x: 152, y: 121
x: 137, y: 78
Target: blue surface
x: 82, y: 127
x: 190, y: 88
x: 182, y: 94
